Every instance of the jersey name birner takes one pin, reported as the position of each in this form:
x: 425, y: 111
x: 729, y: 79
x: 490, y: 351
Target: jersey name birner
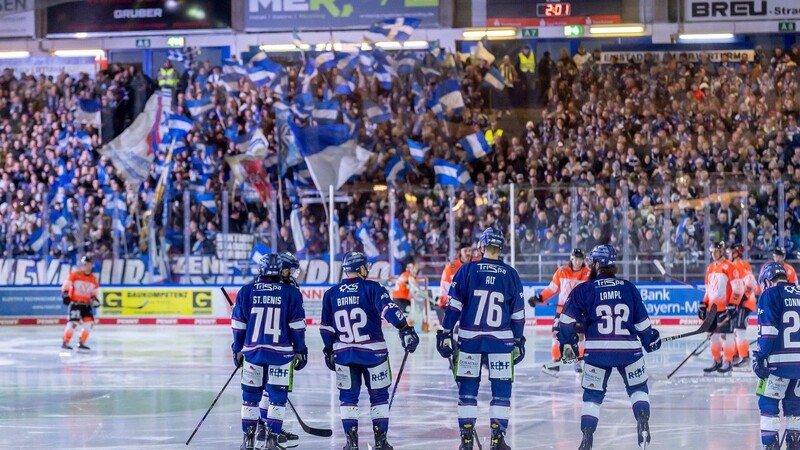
x: 349, y: 300
x: 610, y: 295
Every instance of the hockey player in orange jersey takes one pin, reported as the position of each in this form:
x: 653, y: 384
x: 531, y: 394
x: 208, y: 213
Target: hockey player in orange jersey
x: 408, y: 281
x: 723, y: 288
x: 564, y: 281
x: 745, y: 305
x: 80, y: 293
x: 464, y: 256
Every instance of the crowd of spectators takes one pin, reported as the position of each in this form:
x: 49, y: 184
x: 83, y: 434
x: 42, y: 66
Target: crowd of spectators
x: 657, y: 157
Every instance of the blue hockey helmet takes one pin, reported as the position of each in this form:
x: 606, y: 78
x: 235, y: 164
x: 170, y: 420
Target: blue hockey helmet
x: 769, y: 272
x: 605, y: 255
x: 269, y: 265
x: 354, y: 261
x: 492, y: 237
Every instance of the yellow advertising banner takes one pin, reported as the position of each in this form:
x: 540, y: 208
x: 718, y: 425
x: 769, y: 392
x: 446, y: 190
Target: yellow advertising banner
x: 157, y: 302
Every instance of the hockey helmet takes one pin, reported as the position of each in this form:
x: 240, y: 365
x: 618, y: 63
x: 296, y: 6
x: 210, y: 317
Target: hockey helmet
x: 605, y: 255
x: 290, y: 262
x: 780, y: 251
x: 86, y: 259
x: 719, y: 245
x: 769, y: 272
x: 269, y: 265
x: 737, y: 250
x: 578, y: 253
x: 492, y: 237
x: 354, y: 261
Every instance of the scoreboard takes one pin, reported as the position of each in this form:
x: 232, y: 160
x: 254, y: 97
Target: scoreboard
x: 525, y: 13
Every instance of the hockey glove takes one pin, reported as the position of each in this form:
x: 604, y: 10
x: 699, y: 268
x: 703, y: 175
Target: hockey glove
x: 730, y: 311
x: 300, y: 360
x: 329, y: 359
x: 654, y: 341
x: 569, y: 350
x: 702, y: 310
x: 65, y: 298
x: 535, y: 300
x: 519, y: 350
x: 95, y: 302
x: 238, y: 359
x: 444, y: 343
x: 409, y: 339
x: 760, y: 366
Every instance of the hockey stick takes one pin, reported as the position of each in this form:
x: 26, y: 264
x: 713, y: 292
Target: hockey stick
x: 320, y: 432
x: 663, y: 272
x: 212, y: 404
x: 230, y: 302
x: 693, y: 353
x: 399, y: 374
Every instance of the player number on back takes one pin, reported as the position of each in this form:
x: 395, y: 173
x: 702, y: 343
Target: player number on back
x: 791, y: 321
x: 272, y: 323
x: 489, y: 305
x: 612, y: 321
x: 350, y: 323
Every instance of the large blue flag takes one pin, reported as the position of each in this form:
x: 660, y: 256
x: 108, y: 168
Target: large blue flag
x: 397, y: 29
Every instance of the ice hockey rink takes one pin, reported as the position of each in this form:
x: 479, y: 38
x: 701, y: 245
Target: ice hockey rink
x: 148, y: 387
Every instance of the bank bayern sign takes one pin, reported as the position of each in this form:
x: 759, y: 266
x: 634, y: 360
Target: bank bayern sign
x: 272, y: 15
x: 739, y: 10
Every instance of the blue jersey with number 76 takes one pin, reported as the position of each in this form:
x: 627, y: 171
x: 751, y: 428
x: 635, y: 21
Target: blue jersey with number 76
x: 486, y: 299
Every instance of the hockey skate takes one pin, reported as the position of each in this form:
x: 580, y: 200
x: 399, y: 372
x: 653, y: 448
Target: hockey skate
x: 588, y: 437
x: 713, y: 368
x: 272, y: 442
x: 467, y: 437
x: 578, y: 366
x: 352, y: 439
x: 288, y: 440
x: 249, y: 439
x: 552, y: 372
x: 742, y: 362
x: 84, y: 347
x: 793, y: 440
x: 380, y: 439
x: 773, y: 446
x: 643, y: 430
x: 725, y: 369
x: 66, y: 346
x: 498, y: 439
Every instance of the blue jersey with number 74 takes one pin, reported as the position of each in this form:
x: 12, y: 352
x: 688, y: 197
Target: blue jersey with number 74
x: 486, y: 299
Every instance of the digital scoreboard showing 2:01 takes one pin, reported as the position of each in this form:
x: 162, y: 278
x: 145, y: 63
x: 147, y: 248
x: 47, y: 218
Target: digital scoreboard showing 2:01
x: 553, y: 9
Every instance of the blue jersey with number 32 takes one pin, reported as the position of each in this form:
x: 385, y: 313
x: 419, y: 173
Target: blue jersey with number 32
x: 614, y: 317
x: 779, y: 329
x: 486, y: 300
x: 268, y: 323
x: 351, y: 321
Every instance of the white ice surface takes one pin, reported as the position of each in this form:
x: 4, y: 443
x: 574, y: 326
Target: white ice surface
x: 149, y: 386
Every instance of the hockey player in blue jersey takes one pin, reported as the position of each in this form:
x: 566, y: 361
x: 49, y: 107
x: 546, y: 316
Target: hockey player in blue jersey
x: 615, y: 319
x: 486, y: 300
x: 777, y: 360
x: 355, y: 349
x: 290, y: 268
x: 269, y: 327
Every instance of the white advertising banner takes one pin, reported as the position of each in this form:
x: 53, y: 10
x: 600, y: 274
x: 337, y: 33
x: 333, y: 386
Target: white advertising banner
x: 17, y: 18
x: 692, y: 55
x: 740, y: 10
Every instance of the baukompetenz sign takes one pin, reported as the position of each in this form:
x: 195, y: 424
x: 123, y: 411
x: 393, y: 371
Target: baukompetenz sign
x: 113, y: 16
x: 740, y: 10
x: 326, y: 14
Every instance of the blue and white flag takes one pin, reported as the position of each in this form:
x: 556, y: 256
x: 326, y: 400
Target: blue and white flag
x: 476, y: 146
x: 406, y: 64
x: 679, y: 231
x: 206, y: 199
x: 464, y: 178
x: 377, y: 113
x: 305, y: 77
x: 331, y: 155
x: 264, y: 73
x: 347, y: 62
x: 395, y: 170
x: 343, y: 85
x: 58, y: 221
x: 230, y: 81
x: 370, y: 249
x: 179, y: 126
x: 429, y: 73
x: 398, y: 29
x: 446, y: 172
x: 401, y: 248
x: 494, y: 79
x: 326, y: 113
x: 259, y: 250
x: 233, y: 66
x: 448, y: 94
x: 384, y: 77
x: 366, y: 62
x: 418, y: 150
x: 37, y: 239
x: 88, y: 112
x: 199, y: 108
x: 302, y: 177
x: 325, y: 61
x: 286, y: 137
x: 187, y: 55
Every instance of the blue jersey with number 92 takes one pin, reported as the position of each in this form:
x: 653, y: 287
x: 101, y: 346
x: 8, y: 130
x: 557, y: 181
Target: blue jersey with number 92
x: 486, y: 299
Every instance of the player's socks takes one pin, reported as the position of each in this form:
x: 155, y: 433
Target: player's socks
x: 714, y: 367
x: 588, y: 437
x: 793, y: 440
x: 725, y: 368
x: 498, y: 438
x: 352, y: 439
x: 380, y: 439
x: 261, y: 435
x: 249, y: 439
x: 467, y: 437
x: 82, y: 346
x: 643, y: 429
x: 66, y: 346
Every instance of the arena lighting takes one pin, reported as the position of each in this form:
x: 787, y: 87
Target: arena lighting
x: 705, y: 36
x: 277, y: 48
x: 96, y: 53
x: 14, y: 54
x: 617, y: 30
x: 380, y: 187
x: 479, y: 33
x: 81, y: 35
x: 408, y: 45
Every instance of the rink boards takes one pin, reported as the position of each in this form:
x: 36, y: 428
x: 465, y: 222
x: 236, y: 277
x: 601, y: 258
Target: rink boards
x: 667, y: 304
